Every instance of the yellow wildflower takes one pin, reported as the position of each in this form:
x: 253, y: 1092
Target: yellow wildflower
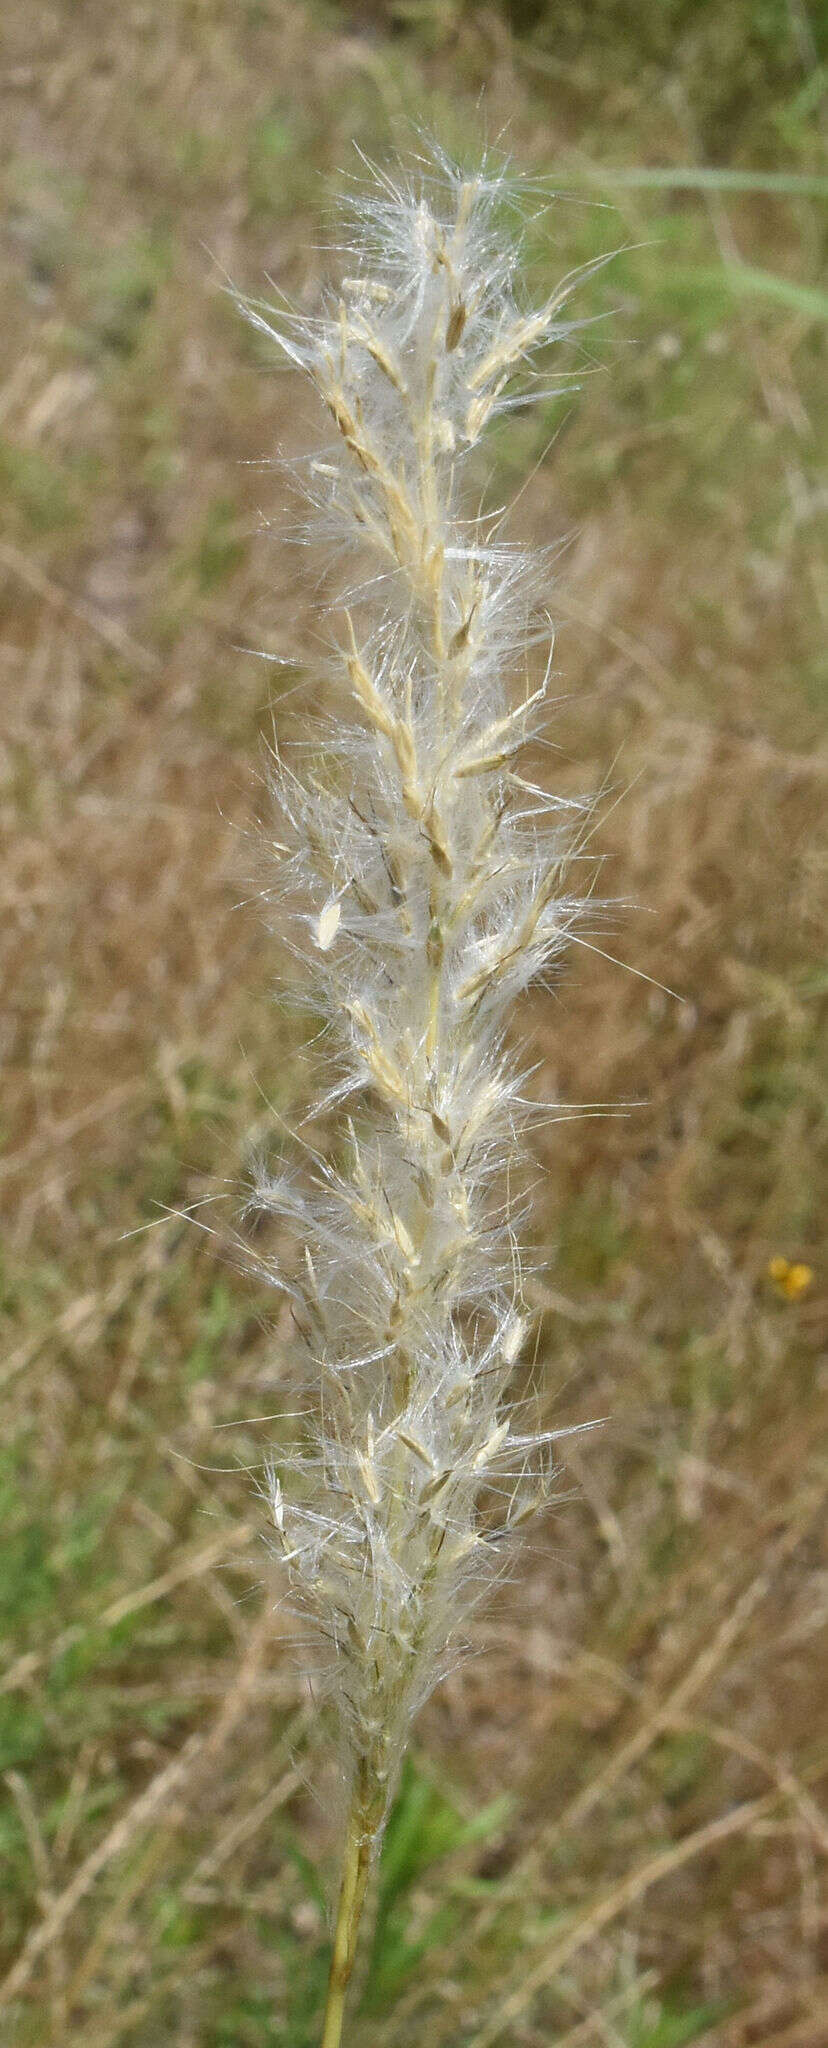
x: 790, y: 1280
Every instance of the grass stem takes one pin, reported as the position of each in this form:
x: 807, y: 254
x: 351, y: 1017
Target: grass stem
x: 355, y: 1870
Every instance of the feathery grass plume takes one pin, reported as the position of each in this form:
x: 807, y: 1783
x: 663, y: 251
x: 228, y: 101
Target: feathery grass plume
x: 423, y: 881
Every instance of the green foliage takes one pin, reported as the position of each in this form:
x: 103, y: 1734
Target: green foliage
x: 592, y: 1236
x: 654, y: 2024
x: 249, y: 2020
x: 746, y: 281
x: 43, y: 492
x: 680, y: 1765
x: 126, y: 287
x: 220, y: 1318
x: 22, y: 1729
x: 275, y: 161
x: 423, y: 1829
x: 220, y: 546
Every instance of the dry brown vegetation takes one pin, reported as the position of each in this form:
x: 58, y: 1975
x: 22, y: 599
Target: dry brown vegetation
x: 611, y: 1830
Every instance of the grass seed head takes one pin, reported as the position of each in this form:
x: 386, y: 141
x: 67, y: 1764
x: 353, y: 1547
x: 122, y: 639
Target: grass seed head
x: 424, y: 887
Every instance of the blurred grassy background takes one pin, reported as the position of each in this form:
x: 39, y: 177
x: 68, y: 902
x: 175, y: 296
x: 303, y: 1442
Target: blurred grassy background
x: 609, y: 1830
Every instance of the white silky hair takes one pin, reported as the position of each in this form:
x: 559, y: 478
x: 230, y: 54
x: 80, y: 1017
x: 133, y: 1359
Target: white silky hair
x: 422, y: 881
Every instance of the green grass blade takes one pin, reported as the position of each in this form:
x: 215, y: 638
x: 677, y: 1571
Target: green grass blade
x: 701, y: 178
x: 749, y: 282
